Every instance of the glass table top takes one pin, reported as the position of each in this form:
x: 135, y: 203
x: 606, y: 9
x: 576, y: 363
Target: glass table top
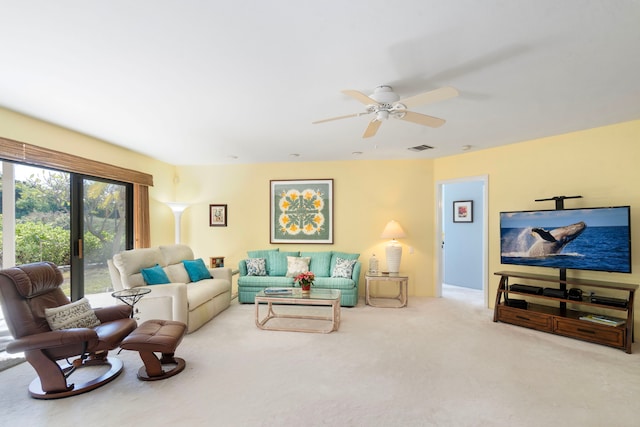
x: 294, y: 293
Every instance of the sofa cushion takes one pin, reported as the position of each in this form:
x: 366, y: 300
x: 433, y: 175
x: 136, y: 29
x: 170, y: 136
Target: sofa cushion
x: 264, y: 281
x: 177, y: 273
x: 333, y: 283
x: 154, y: 275
x: 78, y: 314
x: 262, y: 253
x: 174, y: 254
x: 320, y: 262
x: 256, y: 266
x: 129, y: 263
x: 277, y: 262
x: 196, y: 269
x: 343, y: 255
x: 343, y: 268
x: 199, y: 293
x: 297, y: 265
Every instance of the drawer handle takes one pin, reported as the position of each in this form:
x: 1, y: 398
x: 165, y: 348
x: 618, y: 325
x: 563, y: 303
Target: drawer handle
x: 587, y: 331
x: 522, y: 317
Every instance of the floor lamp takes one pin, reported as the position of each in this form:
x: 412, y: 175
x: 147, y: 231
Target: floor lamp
x: 393, y: 231
x: 177, y: 209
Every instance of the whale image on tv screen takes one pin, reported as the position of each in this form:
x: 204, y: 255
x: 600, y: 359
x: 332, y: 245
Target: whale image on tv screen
x: 585, y: 239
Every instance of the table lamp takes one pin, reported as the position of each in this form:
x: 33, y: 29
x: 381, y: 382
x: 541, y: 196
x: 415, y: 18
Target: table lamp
x: 393, y: 231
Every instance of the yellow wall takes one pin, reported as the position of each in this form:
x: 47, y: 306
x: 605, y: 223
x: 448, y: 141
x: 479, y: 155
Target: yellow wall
x: 32, y: 131
x: 367, y: 194
x: 599, y: 164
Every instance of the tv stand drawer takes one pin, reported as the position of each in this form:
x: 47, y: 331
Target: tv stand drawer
x: 589, y: 331
x: 526, y: 318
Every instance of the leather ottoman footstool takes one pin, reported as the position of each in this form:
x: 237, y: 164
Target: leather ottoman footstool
x: 159, y: 336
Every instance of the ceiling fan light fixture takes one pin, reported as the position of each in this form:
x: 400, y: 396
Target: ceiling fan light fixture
x: 382, y: 115
x: 384, y: 102
x: 384, y: 95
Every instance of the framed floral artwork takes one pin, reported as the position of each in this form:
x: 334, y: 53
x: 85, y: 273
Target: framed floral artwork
x: 217, y: 215
x: 463, y: 211
x: 301, y: 211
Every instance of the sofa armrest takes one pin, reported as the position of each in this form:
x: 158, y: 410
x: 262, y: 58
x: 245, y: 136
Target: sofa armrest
x: 113, y: 312
x: 356, y: 273
x: 52, y: 339
x: 242, y: 267
x: 221, y: 273
x: 178, y: 294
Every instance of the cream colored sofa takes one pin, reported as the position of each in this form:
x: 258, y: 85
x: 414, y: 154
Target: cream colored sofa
x: 194, y: 303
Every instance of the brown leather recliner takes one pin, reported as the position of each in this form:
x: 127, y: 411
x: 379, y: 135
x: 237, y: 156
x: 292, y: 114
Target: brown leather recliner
x: 25, y: 292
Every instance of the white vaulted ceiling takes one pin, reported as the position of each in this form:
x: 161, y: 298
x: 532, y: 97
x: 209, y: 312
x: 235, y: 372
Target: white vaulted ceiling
x: 207, y: 82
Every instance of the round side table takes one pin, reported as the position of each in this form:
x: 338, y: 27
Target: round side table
x: 131, y: 296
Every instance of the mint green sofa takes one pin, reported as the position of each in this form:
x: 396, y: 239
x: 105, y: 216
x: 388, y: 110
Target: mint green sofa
x: 322, y: 264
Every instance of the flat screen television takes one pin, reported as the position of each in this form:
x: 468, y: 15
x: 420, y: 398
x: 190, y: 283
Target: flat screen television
x: 596, y: 239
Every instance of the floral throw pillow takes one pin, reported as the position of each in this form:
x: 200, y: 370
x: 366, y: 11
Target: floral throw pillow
x: 343, y: 268
x: 297, y: 265
x: 256, y: 267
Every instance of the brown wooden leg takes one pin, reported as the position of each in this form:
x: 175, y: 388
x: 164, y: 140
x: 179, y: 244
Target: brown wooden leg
x: 52, y: 379
x: 151, y: 364
x: 501, y: 286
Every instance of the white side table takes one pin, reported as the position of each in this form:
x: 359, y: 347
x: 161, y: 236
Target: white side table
x: 403, y: 287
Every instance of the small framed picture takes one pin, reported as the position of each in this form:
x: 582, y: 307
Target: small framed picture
x: 463, y: 211
x: 217, y: 215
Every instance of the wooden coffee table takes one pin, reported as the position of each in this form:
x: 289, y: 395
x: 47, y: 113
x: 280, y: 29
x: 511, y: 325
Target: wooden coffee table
x: 317, y: 297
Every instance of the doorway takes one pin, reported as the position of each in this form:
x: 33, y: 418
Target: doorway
x: 462, y: 224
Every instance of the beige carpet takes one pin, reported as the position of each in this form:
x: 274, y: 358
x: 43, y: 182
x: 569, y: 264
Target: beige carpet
x: 439, y: 362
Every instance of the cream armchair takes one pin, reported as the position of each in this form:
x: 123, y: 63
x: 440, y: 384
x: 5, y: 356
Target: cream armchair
x: 194, y: 303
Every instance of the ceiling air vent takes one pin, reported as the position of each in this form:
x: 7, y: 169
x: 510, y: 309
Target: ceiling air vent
x: 421, y: 148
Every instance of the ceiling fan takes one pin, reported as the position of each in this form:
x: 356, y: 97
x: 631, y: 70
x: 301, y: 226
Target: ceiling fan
x: 385, y: 103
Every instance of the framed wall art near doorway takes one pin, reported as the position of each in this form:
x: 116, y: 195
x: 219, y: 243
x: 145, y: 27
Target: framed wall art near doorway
x: 301, y: 211
x: 463, y: 211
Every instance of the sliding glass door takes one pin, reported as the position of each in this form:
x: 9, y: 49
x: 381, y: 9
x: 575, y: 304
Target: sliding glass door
x: 77, y: 222
x: 101, y: 227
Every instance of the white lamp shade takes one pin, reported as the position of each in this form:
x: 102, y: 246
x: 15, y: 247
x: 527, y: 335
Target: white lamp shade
x: 393, y: 231
x: 177, y: 209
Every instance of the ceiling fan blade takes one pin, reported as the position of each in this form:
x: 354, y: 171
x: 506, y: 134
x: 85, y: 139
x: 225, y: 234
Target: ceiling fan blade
x: 337, y: 118
x: 373, y: 127
x: 430, y: 97
x: 359, y: 96
x: 421, y: 119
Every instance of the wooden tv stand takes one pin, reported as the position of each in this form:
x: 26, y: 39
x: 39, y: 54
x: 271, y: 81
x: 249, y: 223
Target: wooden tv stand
x: 564, y: 321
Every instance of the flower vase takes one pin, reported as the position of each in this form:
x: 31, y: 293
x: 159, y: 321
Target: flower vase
x: 305, y: 289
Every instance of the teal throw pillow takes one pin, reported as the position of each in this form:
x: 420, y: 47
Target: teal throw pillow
x: 154, y: 275
x: 196, y: 269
